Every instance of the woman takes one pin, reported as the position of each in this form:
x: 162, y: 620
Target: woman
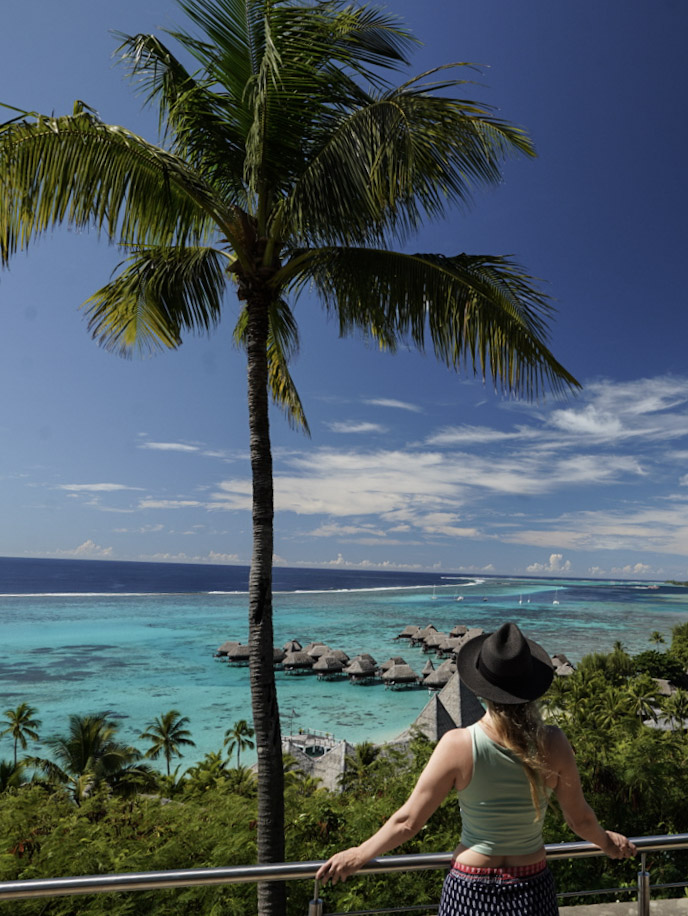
x: 504, y: 768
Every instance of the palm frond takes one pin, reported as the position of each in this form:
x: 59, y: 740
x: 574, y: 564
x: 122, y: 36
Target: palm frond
x: 78, y: 170
x: 477, y: 311
x: 283, y: 343
x: 205, y: 129
x: 395, y: 159
x: 159, y: 293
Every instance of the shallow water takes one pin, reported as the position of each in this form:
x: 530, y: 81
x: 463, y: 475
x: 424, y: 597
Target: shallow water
x: 138, y: 656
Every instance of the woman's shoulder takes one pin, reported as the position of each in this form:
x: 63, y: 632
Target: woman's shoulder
x: 556, y: 742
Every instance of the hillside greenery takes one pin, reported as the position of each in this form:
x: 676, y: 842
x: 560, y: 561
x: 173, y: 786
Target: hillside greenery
x: 115, y: 814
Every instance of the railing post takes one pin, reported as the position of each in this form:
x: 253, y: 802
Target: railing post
x: 315, y: 907
x: 643, y: 888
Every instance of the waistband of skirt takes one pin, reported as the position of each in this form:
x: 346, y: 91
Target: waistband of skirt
x: 502, y: 871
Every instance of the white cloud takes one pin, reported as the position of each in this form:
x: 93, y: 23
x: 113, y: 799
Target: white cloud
x: 391, y: 402
x: 635, y: 569
x: 169, y: 446
x: 95, y: 487
x: 169, y: 503
x: 352, y: 426
x: 472, y: 435
x: 88, y: 550
x: 555, y: 564
x: 212, y: 557
x: 341, y: 563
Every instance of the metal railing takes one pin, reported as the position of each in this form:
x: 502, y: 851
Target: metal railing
x: 289, y: 871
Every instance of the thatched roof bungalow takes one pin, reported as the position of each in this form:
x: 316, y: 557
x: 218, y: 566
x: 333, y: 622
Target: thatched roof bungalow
x: 395, y: 660
x: 238, y: 655
x: 400, y: 676
x: 408, y: 632
x: 327, y: 667
x: 298, y: 663
x: 360, y: 671
x: 459, y: 630
x: 292, y: 645
x: 439, y: 678
x: 223, y: 651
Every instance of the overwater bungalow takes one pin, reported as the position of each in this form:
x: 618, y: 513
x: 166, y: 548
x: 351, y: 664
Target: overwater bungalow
x: 459, y: 630
x: 395, y: 660
x: 238, y: 655
x: 318, y: 650
x: 436, y: 680
x: 432, y: 642
x: 423, y: 634
x: 328, y: 668
x: 400, y: 677
x: 298, y: 663
x: 361, y: 671
x: 341, y: 655
x: 450, y: 645
x: 223, y: 651
x: 428, y: 668
x: 278, y: 656
x: 408, y: 632
x: 292, y: 645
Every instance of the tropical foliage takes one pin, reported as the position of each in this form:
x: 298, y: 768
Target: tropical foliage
x: 290, y: 160
x: 23, y: 724
x: 168, y: 733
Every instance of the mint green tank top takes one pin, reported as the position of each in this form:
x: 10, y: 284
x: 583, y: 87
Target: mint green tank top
x: 497, y: 813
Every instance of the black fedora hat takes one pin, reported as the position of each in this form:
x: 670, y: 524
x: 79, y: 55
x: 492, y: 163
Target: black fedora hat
x: 504, y: 666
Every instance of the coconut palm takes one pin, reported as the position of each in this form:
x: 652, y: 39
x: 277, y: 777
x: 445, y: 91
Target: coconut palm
x: 656, y: 637
x: 90, y: 755
x: 239, y: 737
x: 675, y: 708
x: 290, y: 161
x: 23, y: 724
x: 167, y: 733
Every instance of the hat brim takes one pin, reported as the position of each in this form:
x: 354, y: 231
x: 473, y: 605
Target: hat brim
x: 541, y: 676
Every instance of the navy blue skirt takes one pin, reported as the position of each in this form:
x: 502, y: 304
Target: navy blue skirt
x: 498, y: 894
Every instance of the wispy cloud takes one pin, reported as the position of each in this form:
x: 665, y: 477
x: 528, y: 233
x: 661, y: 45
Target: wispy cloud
x: 169, y: 446
x: 353, y: 426
x: 95, y: 487
x: 393, y: 403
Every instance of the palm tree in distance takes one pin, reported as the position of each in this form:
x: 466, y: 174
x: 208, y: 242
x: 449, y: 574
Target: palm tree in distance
x: 289, y: 161
x: 239, y: 737
x: 167, y: 733
x: 23, y: 724
x: 89, y: 755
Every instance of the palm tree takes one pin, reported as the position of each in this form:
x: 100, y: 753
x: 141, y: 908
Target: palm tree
x: 90, y: 755
x: 239, y: 737
x: 656, y: 637
x: 289, y: 161
x: 23, y: 725
x: 168, y: 733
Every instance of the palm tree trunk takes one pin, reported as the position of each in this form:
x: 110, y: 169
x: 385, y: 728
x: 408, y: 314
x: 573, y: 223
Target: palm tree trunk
x: 272, y: 896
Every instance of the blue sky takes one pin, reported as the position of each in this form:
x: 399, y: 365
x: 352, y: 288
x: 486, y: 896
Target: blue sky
x: 409, y: 466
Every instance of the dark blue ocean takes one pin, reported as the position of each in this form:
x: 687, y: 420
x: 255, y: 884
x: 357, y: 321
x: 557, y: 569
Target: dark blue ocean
x: 138, y: 639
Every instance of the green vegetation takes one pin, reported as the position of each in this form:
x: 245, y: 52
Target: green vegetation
x: 96, y: 809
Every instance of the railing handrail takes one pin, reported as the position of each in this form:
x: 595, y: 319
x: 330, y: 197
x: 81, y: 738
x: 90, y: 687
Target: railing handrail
x: 281, y: 871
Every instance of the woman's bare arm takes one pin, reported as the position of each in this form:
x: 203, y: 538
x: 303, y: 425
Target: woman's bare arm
x: 578, y: 814
x: 449, y: 766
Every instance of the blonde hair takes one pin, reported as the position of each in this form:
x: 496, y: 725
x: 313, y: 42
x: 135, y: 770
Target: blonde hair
x: 519, y: 727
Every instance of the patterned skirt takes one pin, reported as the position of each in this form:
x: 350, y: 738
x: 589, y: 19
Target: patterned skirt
x: 509, y: 891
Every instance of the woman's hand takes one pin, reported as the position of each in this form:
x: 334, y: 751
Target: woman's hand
x: 618, y: 846
x: 340, y: 866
